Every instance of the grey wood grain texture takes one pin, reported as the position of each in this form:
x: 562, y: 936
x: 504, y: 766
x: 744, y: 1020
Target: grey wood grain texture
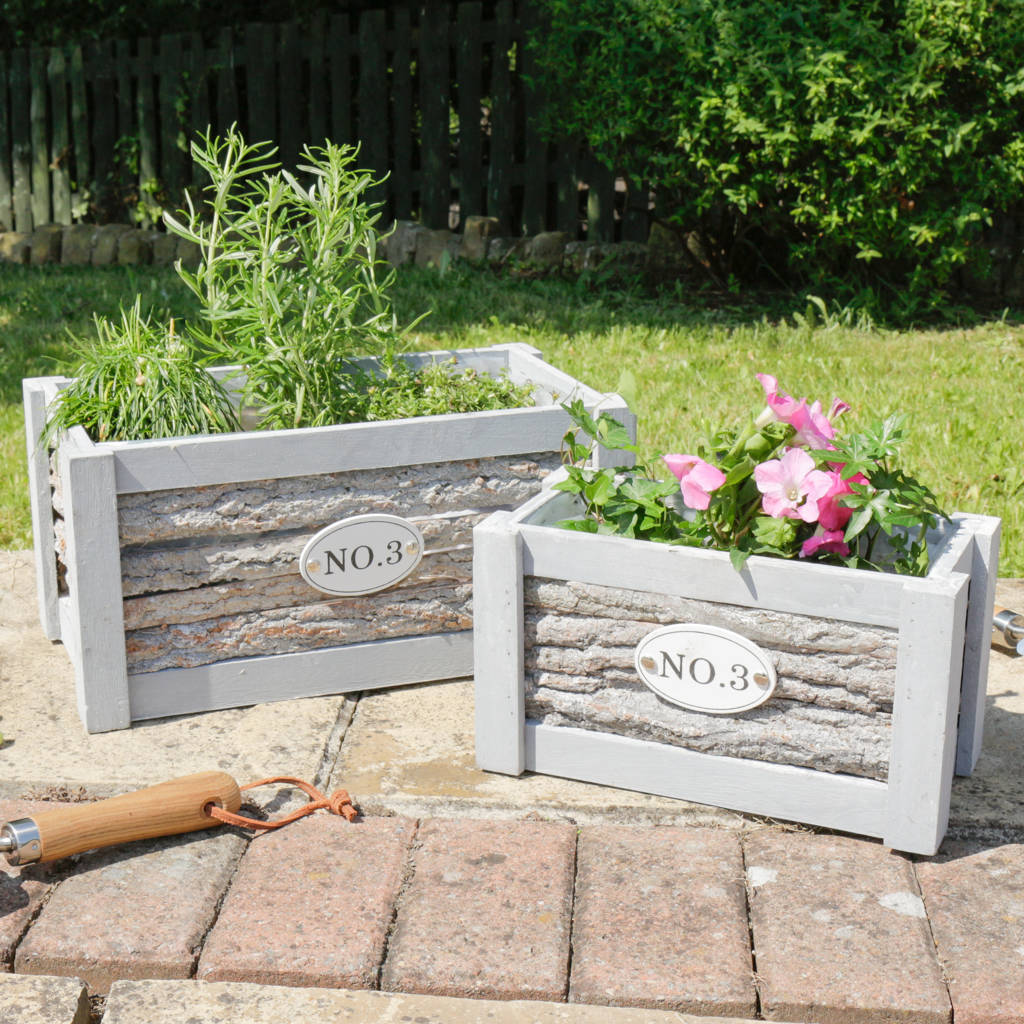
x: 499, y: 709
x: 925, y: 712
x: 356, y: 667
x: 36, y: 394
x: 94, y: 585
x: 779, y: 791
x: 984, y: 571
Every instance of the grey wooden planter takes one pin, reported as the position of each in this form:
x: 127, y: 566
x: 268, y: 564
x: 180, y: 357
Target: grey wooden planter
x: 881, y: 678
x: 169, y: 568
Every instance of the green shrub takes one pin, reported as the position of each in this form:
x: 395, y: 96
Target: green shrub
x: 830, y: 143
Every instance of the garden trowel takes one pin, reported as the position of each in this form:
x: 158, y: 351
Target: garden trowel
x: 170, y: 808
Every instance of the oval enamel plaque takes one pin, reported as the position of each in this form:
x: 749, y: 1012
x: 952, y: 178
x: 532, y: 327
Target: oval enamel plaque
x: 704, y: 668
x: 361, y: 555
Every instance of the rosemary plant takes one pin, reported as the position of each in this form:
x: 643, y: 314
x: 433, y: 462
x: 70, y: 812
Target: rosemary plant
x: 288, y: 276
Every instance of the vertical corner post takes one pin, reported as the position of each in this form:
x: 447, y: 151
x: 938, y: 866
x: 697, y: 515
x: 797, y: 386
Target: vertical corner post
x: 924, y: 717
x: 977, y: 641
x: 498, y: 646
x: 96, y: 616
x: 35, y: 393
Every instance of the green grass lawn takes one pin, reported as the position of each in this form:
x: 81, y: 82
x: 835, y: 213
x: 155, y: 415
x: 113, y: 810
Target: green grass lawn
x: 687, y: 364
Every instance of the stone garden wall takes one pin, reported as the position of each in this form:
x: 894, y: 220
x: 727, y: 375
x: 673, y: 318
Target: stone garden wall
x: 409, y: 243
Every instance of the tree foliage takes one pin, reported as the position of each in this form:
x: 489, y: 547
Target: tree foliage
x: 852, y: 143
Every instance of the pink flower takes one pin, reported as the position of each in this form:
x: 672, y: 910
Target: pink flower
x: 813, y: 428
x: 791, y: 486
x: 697, y: 478
x: 832, y: 514
x: 824, y: 542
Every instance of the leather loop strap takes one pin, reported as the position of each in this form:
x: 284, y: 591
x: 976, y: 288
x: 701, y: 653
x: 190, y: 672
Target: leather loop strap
x: 337, y: 803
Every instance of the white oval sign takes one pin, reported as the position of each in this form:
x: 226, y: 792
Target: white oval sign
x: 361, y: 555
x: 704, y: 668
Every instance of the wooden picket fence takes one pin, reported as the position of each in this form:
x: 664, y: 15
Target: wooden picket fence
x: 437, y: 95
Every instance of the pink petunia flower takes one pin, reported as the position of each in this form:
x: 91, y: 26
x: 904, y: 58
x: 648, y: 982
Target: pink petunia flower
x: 791, y: 487
x: 813, y: 428
x: 829, y: 542
x: 832, y: 514
x: 697, y: 478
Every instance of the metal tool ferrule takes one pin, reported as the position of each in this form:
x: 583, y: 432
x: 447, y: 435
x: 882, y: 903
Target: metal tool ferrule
x: 1011, y: 625
x: 21, y: 842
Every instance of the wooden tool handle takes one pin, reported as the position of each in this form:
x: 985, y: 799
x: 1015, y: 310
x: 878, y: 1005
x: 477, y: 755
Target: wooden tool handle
x: 166, y: 809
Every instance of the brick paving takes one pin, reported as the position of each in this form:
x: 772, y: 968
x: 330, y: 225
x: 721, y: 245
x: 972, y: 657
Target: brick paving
x: 511, y: 910
x: 311, y: 905
x: 138, y: 911
x: 840, y: 933
x: 487, y: 912
x: 661, y: 921
x: 974, y: 896
x: 22, y: 890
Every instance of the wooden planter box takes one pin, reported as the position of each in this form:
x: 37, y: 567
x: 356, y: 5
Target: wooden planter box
x: 881, y: 678
x: 169, y: 569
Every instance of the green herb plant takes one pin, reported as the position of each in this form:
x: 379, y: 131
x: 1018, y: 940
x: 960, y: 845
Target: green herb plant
x: 289, y: 295
x: 784, y: 485
x: 137, y: 379
x: 287, y: 279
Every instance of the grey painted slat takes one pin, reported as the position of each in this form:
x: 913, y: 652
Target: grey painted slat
x: 567, y: 202
x: 21, y: 149
x: 126, y: 109
x: 832, y: 592
x: 60, y: 144
x: 260, y: 80
x: 779, y: 791
x: 39, y: 135
x: 104, y: 132
x: 498, y: 647
x: 984, y: 571
x: 318, y: 79
x: 292, y: 99
x: 6, y: 180
x: 230, y: 458
x: 340, y: 50
x: 356, y: 667
x: 146, y: 114
x: 373, y: 99
x: 36, y: 394
x: 198, y: 117
x: 227, y: 88
x: 400, y: 184
x: 600, y: 203
x: 535, y: 146
x: 171, y: 88
x: 469, y: 53
x: 924, y: 715
x: 434, y: 77
x: 499, y: 174
x: 95, y: 622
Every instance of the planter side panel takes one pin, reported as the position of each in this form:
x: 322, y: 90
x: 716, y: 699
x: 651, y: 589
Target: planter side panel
x: 831, y: 710
x: 212, y: 573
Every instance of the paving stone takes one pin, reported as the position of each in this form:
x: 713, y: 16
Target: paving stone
x: 25, y: 1000
x: 975, y: 902
x: 661, y: 921
x: 311, y: 904
x: 135, y: 911
x: 22, y: 889
x: 410, y: 751
x: 840, y: 934
x: 487, y: 912
x: 199, y: 1002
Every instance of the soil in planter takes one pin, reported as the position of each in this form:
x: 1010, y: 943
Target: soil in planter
x: 831, y: 710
